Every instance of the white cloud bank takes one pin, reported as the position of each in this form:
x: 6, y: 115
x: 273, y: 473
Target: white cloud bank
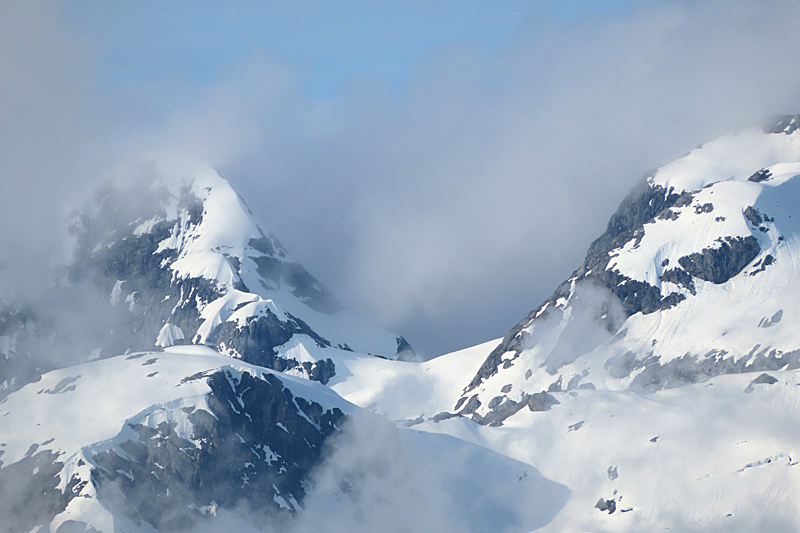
x: 446, y: 212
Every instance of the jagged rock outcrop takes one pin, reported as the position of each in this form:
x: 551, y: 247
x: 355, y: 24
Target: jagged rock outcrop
x: 30, y: 493
x: 253, y: 449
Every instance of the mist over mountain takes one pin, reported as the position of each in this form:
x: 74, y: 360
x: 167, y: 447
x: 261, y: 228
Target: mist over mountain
x: 186, y: 374
x: 365, y: 266
x: 439, y: 199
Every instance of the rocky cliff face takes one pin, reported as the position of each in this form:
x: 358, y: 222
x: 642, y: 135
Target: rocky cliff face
x: 253, y: 448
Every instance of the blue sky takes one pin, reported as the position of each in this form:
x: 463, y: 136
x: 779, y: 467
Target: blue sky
x: 327, y: 42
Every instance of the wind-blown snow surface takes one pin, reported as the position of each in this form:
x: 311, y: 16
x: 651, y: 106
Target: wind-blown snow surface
x: 720, y: 455
x: 716, y: 456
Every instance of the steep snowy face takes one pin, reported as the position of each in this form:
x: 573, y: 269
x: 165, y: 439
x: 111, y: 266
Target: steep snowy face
x: 183, y: 261
x: 696, y: 275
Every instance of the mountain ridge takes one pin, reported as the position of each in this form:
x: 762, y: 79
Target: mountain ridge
x: 660, y: 378
x: 680, y: 189
x: 163, y: 261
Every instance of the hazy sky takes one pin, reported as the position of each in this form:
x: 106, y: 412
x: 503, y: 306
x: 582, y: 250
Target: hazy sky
x: 440, y: 165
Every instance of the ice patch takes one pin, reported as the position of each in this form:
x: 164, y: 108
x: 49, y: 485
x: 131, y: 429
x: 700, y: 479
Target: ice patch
x: 169, y: 335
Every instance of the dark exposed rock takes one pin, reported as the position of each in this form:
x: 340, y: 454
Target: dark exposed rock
x: 769, y: 322
x: 472, y: 405
x: 765, y: 378
x: 415, y: 421
x: 667, y: 214
x: 677, y: 372
x: 256, y: 340
x: 606, y: 505
x: 640, y: 207
x: 686, y: 198
x: 496, y: 416
x: 494, y: 402
x: 575, y: 427
x: 539, y: 401
x: 768, y: 260
x: 24, y: 360
x: 716, y: 264
x: 787, y: 124
x: 322, y: 370
x: 621, y: 366
x: 444, y: 415
x: 705, y: 208
x: 154, y: 295
x: 29, y: 496
x: 254, y: 449
x: 752, y: 214
x: 460, y: 402
x: 263, y: 244
x: 721, y: 263
x: 679, y: 276
x: 761, y: 175
x: 111, y: 257
x: 690, y: 369
x: 404, y: 350
x: 65, y: 385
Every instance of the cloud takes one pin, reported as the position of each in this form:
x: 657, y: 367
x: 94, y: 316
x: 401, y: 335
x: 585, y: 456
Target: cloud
x: 446, y: 212
x: 451, y: 211
x: 380, y: 479
x: 46, y: 122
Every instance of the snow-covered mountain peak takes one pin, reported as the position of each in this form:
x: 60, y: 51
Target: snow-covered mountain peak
x: 225, y: 225
x: 733, y: 157
x: 695, y: 276
x: 182, y: 260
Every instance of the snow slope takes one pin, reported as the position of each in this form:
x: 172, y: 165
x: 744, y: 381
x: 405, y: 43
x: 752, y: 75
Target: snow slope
x: 714, y: 456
